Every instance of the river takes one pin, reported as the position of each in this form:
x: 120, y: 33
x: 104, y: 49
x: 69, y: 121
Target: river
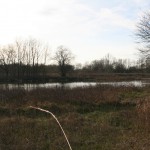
x: 73, y: 84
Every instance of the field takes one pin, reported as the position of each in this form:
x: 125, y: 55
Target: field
x: 94, y: 118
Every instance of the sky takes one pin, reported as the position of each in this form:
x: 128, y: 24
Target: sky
x: 89, y: 28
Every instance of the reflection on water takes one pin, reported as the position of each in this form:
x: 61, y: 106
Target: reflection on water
x: 125, y: 83
x: 72, y: 85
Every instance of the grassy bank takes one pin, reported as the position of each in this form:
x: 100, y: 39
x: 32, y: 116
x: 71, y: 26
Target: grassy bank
x: 102, y: 117
x: 78, y: 76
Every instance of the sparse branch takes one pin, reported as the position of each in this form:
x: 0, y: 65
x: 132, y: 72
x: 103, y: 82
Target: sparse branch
x: 143, y: 29
x: 143, y: 36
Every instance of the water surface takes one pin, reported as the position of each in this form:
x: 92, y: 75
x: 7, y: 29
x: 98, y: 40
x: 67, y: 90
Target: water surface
x: 73, y: 84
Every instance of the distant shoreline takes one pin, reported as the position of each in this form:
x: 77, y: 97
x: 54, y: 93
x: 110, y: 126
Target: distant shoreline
x: 83, y: 77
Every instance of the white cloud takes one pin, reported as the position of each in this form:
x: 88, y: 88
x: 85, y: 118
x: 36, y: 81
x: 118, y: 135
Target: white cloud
x: 69, y: 22
x: 82, y: 19
x: 139, y: 2
x: 112, y: 18
x: 59, y: 16
x: 142, y: 5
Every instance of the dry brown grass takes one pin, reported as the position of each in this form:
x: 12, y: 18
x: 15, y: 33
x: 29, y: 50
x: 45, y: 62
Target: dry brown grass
x: 46, y: 111
x: 102, y: 117
x: 143, y: 109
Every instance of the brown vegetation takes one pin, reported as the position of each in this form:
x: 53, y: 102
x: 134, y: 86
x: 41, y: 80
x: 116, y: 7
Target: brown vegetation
x: 101, y: 117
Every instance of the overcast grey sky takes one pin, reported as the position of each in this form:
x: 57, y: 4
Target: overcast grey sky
x: 90, y: 28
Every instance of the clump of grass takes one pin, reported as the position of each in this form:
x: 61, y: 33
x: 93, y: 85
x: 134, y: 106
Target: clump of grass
x: 43, y: 110
x: 92, y: 95
x: 143, y: 109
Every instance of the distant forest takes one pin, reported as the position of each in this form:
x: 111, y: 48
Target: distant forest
x: 28, y: 61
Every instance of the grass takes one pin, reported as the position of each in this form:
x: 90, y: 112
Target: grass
x: 46, y: 111
x: 99, y: 118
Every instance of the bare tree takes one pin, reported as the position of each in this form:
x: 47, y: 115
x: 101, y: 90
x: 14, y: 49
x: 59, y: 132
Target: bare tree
x: 46, y: 53
x: 7, y: 58
x: 143, y: 35
x: 18, y: 46
x: 63, y: 57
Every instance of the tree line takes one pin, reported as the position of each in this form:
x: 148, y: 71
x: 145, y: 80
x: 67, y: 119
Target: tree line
x: 112, y: 65
x: 24, y: 58
x: 27, y: 61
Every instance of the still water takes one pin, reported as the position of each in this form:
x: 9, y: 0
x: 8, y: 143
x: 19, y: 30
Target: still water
x: 73, y: 85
